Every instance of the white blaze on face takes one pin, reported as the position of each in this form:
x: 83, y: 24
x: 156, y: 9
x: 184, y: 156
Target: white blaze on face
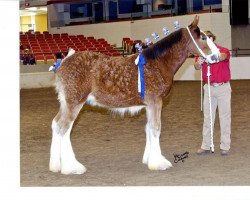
x: 215, y: 51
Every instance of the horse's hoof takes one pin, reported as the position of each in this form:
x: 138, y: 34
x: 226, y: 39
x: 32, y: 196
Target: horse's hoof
x: 160, y: 163
x: 145, y: 161
x: 54, y: 165
x: 73, y: 168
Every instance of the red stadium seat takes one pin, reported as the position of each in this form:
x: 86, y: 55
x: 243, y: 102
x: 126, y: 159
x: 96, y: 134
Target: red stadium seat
x: 50, y: 58
x: 108, y: 47
x: 101, y: 49
x: 23, y: 36
x: 64, y: 35
x: 37, y: 51
x: 98, y: 45
x: 51, y: 43
x: 116, y: 53
x: 72, y: 36
x: 40, y: 59
x: 47, y: 50
x: 80, y: 37
x: 61, y: 45
x: 90, y: 37
x: 101, y: 40
x: 35, y: 45
x: 44, y: 44
x: 66, y: 40
x: 64, y: 49
x: 56, y: 35
x: 41, y: 40
x: 56, y: 50
x: 92, y: 48
x: 47, y: 36
x: 70, y: 44
x: 32, y: 39
x: 89, y: 45
x: 77, y: 44
x: 82, y: 48
x: 75, y: 40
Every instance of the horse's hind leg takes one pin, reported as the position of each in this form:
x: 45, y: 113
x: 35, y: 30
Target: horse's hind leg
x: 62, y: 157
x: 152, y: 155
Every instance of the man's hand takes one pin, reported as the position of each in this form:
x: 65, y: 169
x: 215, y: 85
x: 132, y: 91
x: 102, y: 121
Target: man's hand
x: 199, y: 63
x: 201, y: 60
x: 223, y: 56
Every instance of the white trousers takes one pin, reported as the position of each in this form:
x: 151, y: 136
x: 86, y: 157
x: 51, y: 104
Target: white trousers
x: 221, y: 98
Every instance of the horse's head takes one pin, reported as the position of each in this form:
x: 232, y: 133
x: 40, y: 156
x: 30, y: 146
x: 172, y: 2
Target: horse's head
x: 200, y: 44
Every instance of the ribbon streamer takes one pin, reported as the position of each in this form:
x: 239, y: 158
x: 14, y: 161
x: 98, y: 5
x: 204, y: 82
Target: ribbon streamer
x: 55, y: 66
x: 141, y: 82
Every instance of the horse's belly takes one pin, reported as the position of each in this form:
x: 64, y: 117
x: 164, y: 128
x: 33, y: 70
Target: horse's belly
x: 132, y: 110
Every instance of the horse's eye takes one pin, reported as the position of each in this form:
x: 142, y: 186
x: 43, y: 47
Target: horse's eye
x: 203, y: 37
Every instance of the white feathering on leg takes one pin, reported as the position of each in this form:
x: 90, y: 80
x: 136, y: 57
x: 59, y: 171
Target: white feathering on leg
x: 69, y: 164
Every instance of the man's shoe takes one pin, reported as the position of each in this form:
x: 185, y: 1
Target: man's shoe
x: 202, y: 152
x: 224, y: 152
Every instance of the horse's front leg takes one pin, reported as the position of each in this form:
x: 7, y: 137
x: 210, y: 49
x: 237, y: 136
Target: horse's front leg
x: 152, y: 155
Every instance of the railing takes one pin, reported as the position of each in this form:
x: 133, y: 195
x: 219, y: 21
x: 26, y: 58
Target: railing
x: 149, y: 13
x: 237, y: 52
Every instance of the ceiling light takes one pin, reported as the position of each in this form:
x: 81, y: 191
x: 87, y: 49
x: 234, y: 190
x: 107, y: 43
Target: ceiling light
x: 32, y: 8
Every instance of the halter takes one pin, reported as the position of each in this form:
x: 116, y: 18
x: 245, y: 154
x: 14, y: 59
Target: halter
x: 214, y: 56
x: 211, y: 58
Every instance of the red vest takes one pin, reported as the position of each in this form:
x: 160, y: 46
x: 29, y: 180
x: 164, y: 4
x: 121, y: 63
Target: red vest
x: 220, y: 72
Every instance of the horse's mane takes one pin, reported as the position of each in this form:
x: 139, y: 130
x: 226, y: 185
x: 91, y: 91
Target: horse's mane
x: 156, y: 50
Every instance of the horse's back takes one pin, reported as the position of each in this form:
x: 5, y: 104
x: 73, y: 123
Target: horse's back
x: 104, y: 76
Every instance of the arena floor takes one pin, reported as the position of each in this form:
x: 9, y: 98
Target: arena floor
x: 112, y: 147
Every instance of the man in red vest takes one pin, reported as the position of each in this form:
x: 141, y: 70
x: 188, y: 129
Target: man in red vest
x: 220, y: 97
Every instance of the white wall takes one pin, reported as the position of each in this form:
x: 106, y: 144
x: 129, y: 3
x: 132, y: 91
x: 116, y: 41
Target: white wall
x: 218, y: 23
x: 37, y: 80
x: 220, y: 26
x: 140, y: 29
x: 225, y: 5
x: 249, y: 9
x: 112, y: 32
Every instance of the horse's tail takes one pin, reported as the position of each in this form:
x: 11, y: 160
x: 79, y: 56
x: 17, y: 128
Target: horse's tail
x: 59, y: 63
x: 73, y: 78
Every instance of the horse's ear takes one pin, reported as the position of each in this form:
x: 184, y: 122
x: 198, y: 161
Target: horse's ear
x: 195, y: 22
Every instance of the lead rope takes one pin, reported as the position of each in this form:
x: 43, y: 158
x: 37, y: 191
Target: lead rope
x: 201, y: 92
x: 209, y: 92
x: 210, y: 108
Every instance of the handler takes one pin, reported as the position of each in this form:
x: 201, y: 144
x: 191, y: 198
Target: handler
x: 220, y: 97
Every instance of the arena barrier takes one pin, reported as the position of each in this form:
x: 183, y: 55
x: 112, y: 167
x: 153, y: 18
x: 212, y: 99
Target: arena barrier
x: 38, y: 76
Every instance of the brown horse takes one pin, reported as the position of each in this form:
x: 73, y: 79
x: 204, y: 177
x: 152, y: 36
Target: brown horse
x: 111, y: 82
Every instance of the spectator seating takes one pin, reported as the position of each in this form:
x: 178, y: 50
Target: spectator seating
x: 45, y: 46
x: 128, y: 45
